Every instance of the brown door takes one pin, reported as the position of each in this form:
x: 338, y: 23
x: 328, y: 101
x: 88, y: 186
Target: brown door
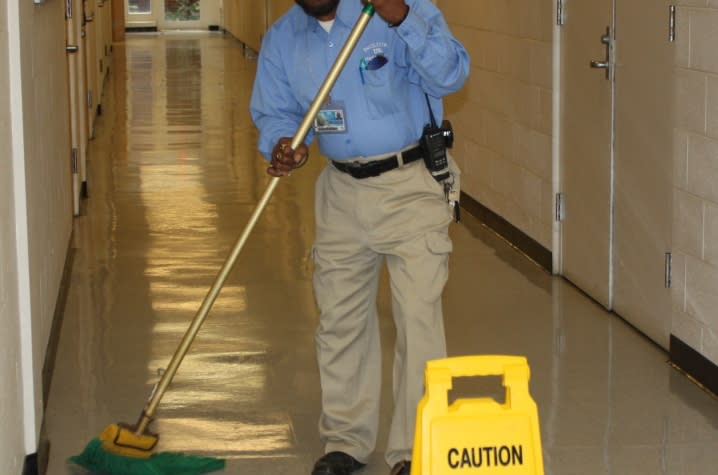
x: 118, y: 21
x: 643, y: 148
x: 586, y: 152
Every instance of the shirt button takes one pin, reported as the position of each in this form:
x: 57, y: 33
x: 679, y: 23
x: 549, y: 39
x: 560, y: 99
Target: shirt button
x: 331, y: 44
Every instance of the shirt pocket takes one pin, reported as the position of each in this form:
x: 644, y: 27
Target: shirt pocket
x: 381, y: 98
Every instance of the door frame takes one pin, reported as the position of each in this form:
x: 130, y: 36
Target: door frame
x: 618, y: 274
x: 557, y: 261
x: 72, y: 48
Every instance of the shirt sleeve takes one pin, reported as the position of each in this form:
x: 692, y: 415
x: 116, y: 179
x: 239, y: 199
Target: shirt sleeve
x: 273, y: 107
x: 436, y: 60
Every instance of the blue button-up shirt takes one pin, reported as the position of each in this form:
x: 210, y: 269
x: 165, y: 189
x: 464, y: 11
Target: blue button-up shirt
x: 385, y: 108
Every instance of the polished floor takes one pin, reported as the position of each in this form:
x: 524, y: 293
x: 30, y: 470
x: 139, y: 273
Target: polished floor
x: 173, y: 177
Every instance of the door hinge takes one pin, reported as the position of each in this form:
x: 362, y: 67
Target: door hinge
x: 672, y: 23
x: 669, y: 266
x: 101, y: 66
x: 560, y: 13
x: 559, y: 210
x: 89, y: 99
x: 74, y: 161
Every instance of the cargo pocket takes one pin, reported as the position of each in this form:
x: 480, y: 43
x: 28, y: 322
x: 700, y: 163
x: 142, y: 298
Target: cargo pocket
x: 436, y: 266
x: 439, y: 242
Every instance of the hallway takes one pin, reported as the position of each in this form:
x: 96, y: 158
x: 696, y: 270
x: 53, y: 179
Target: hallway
x: 173, y: 177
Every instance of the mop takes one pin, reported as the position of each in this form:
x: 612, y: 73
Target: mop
x: 123, y: 449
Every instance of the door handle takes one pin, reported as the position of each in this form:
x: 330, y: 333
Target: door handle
x: 606, y: 65
x: 72, y: 48
x: 599, y: 64
x: 606, y: 39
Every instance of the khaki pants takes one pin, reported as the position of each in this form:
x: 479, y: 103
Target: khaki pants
x: 402, y: 216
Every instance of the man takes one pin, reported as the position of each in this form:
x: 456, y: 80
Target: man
x: 375, y: 200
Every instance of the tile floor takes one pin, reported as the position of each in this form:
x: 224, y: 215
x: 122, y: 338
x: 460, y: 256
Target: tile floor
x: 173, y: 177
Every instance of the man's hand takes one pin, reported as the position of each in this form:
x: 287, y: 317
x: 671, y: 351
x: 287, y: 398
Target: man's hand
x: 284, y: 159
x: 392, y: 11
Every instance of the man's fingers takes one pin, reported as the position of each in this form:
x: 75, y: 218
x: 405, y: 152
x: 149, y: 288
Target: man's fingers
x: 278, y: 172
x: 285, y: 159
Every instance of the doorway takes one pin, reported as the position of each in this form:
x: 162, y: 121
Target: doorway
x: 171, y: 14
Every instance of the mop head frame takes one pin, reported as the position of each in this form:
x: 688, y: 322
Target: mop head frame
x: 121, y: 439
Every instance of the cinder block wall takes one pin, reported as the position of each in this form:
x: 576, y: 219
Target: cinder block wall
x: 695, y: 229
x: 503, y: 117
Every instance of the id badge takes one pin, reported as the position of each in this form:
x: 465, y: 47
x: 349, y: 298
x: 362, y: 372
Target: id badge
x: 331, y: 119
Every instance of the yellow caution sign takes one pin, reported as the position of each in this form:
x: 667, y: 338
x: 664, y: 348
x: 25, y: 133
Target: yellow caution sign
x: 477, y: 436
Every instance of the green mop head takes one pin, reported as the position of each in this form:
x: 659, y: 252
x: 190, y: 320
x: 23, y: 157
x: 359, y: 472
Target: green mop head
x: 97, y: 459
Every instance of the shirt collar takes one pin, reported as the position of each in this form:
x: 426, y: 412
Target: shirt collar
x: 347, y: 14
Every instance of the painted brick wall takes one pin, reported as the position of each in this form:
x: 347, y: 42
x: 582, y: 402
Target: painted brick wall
x: 11, y: 448
x: 46, y: 158
x: 503, y: 115
x: 695, y: 229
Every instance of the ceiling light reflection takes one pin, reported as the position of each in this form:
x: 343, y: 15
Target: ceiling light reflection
x: 228, y: 439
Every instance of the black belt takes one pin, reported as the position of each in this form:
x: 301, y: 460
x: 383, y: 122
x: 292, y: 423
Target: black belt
x: 377, y: 167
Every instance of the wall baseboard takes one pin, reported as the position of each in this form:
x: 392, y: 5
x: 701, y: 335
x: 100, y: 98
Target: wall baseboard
x: 141, y: 29
x: 520, y: 240
x: 36, y: 463
x: 30, y: 465
x: 48, y: 367
x: 697, y: 366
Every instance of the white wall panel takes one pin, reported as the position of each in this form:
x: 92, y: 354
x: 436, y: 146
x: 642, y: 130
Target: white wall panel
x: 37, y: 143
x: 11, y: 446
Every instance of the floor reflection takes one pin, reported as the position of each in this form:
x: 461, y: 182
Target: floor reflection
x: 174, y: 175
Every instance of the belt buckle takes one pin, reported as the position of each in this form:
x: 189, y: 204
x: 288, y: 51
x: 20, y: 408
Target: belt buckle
x: 372, y: 168
x: 357, y: 165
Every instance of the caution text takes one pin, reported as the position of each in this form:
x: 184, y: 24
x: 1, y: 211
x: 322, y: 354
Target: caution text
x: 478, y: 457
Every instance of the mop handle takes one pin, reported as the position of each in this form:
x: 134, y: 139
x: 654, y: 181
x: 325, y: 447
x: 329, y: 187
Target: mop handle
x: 301, y: 133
